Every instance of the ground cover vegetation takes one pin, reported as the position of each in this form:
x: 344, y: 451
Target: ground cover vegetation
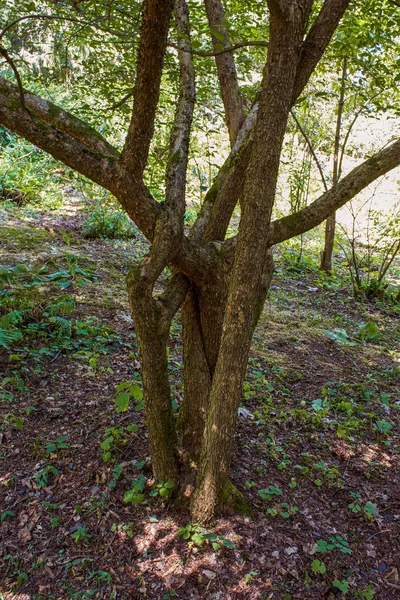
x: 236, y: 377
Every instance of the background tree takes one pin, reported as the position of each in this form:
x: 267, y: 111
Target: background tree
x: 221, y: 283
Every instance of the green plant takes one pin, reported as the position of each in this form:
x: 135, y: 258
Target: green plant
x: 269, y: 492
x: 10, y: 419
x: 163, y: 489
x: 135, y: 495
x: 15, y: 566
x: 123, y: 528
x: 368, y: 593
x: 341, y: 585
x: 101, y: 576
x: 42, y: 478
x: 383, y: 427
x: 108, y: 223
x: 250, y: 576
x: 81, y: 533
x: 335, y: 542
x: 6, y: 514
x: 283, y: 509
x: 198, y: 536
x: 115, y: 440
x: 370, y: 511
x: 318, y: 566
x: 58, y: 444
x: 126, y: 391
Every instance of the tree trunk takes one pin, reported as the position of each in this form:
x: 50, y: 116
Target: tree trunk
x: 154, y: 365
x: 330, y: 226
x: 212, y: 487
x: 197, y: 381
x: 250, y: 280
x: 327, y: 253
x: 202, y: 319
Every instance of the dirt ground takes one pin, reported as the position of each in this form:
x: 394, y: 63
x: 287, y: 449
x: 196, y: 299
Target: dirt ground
x: 316, y: 453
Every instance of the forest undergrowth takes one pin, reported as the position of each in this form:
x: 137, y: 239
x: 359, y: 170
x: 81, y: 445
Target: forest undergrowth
x: 316, y: 451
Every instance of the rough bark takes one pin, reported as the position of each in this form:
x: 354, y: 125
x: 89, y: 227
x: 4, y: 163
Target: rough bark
x: 230, y: 91
x: 154, y: 367
x: 197, y: 381
x: 202, y: 316
x: 151, y: 316
x: 246, y: 288
x: 152, y: 46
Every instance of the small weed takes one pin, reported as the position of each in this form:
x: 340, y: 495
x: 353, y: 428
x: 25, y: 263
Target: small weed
x: 269, y: 492
x: 80, y: 534
x: 126, y: 391
x: 341, y: 585
x: 115, y: 440
x: 198, y: 536
x: 318, y: 566
x: 57, y: 445
x: 42, y: 478
x: 334, y: 543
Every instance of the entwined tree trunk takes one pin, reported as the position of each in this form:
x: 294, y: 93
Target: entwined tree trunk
x: 219, y: 284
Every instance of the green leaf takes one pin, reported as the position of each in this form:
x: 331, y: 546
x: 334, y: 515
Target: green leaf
x: 340, y: 336
x: 51, y: 448
x: 19, y: 423
x: 131, y: 497
x: 5, y: 514
x: 320, y: 404
x: 369, y: 332
x: 122, y: 402
x: 198, y: 539
x: 370, y: 509
x: 318, y: 566
x: 216, y: 546
x: 106, y: 444
x: 220, y: 36
x: 123, y: 386
x: 136, y: 392
x: 228, y: 544
x: 343, y: 586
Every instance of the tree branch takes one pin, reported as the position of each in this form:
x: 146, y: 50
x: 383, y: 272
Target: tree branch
x: 312, y: 51
x: 250, y: 43
x: 180, y: 135
x: 97, y: 167
x: 168, y: 233
x: 152, y: 46
x: 81, y: 147
x: 311, y: 149
x: 348, y: 187
x: 317, y: 41
x: 60, y: 18
x: 58, y: 118
x: 226, y: 68
x: 12, y: 64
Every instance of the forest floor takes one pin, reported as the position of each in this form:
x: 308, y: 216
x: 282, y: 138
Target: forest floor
x: 317, y: 451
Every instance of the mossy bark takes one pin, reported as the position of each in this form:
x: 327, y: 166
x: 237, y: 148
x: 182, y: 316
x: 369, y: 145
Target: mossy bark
x: 157, y: 394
